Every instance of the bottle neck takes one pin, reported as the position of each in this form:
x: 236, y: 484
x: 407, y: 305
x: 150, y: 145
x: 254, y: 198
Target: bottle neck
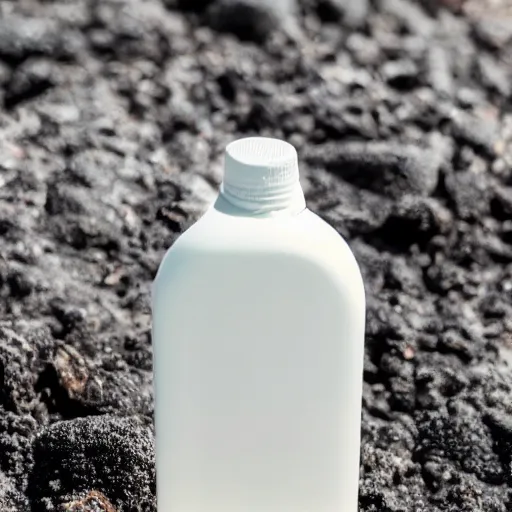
x: 275, y: 202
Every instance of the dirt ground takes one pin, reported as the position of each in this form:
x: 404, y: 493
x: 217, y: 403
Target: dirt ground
x: 115, y: 114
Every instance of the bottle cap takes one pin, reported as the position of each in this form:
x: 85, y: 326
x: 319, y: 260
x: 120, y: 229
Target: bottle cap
x: 261, y: 174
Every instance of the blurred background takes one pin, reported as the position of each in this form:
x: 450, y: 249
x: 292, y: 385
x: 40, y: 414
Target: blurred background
x: 114, y: 115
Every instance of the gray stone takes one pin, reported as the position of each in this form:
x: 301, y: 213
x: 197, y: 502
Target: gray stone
x: 386, y: 168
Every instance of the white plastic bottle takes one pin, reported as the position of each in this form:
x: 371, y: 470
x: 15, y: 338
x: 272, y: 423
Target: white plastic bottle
x: 258, y: 334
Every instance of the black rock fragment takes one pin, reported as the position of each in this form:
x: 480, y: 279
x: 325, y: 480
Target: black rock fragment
x: 400, y: 74
x: 353, y: 13
x: 250, y: 20
x: 500, y: 425
x: 384, y: 168
x: 18, y: 365
x: 30, y: 80
x: 112, y: 455
x: 11, y: 500
x: 501, y: 203
x: 443, y: 436
x: 188, y: 5
x: 415, y: 220
x: 21, y: 38
x: 20, y: 283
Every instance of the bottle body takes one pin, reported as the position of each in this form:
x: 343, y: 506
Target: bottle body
x: 258, y: 330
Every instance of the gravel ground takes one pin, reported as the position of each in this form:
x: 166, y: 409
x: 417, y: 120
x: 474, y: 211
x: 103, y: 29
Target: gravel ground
x: 115, y: 114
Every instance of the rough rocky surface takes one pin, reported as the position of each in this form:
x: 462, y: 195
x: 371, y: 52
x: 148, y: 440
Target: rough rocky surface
x: 113, y: 119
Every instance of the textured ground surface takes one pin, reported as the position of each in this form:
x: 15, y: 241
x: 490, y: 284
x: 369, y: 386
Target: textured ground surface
x: 114, y: 117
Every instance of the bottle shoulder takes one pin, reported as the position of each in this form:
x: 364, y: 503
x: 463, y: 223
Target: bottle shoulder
x: 218, y: 238
x: 216, y: 231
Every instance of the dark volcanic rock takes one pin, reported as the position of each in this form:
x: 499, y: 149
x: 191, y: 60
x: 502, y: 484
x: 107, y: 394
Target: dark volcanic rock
x: 111, y: 455
x: 352, y: 12
x: 388, y: 169
x: 252, y: 20
x: 189, y: 5
x: 19, y: 364
x: 415, y: 221
x: 11, y: 500
x: 449, y: 437
x: 400, y: 74
x: 32, y: 78
x: 24, y: 37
